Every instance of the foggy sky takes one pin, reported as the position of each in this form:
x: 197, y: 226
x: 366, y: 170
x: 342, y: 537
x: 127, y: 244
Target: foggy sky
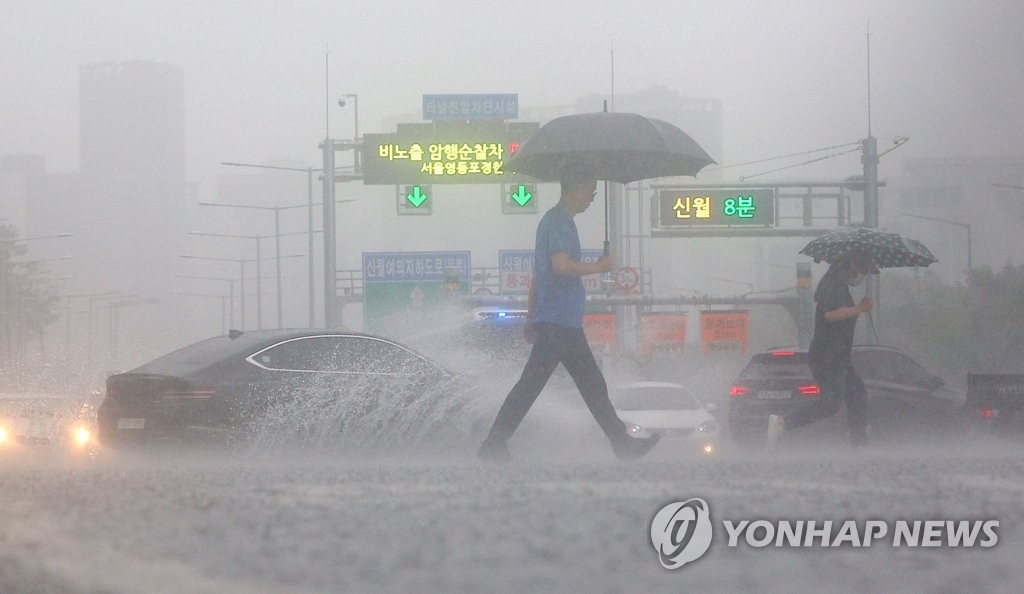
x: 791, y: 75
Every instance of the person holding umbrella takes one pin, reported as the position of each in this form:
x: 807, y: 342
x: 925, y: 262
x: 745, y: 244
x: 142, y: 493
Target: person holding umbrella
x: 835, y: 318
x: 555, y: 327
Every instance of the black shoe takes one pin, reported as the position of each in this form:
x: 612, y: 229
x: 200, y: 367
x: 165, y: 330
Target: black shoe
x: 494, y: 451
x: 633, y: 448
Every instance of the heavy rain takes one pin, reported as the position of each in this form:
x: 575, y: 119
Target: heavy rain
x: 266, y: 314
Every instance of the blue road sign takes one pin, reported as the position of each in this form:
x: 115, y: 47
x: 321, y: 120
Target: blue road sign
x: 471, y: 107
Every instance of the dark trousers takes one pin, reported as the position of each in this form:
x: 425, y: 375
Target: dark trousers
x: 841, y: 385
x: 553, y: 345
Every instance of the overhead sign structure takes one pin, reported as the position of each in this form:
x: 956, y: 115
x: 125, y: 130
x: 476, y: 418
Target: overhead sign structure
x: 400, y: 286
x: 724, y: 331
x: 519, y: 198
x: 456, y: 152
x: 415, y: 200
x: 698, y: 207
x: 471, y: 107
x: 516, y: 270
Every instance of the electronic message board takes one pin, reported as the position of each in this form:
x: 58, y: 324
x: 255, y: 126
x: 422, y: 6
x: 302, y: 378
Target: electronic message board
x: 456, y: 152
x: 700, y: 207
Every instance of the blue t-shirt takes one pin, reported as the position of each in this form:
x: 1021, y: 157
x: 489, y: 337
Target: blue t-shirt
x: 560, y: 299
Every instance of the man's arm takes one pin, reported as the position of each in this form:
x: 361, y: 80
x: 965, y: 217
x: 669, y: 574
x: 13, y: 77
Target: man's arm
x: 563, y: 265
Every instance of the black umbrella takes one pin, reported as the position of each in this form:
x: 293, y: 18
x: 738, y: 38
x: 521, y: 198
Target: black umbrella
x: 887, y: 250
x: 617, y: 147
x: 614, y: 146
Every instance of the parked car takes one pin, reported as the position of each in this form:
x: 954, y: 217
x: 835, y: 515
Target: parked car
x: 62, y: 421
x: 229, y: 387
x: 905, y: 401
x: 671, y: 410
x: 995, y: 404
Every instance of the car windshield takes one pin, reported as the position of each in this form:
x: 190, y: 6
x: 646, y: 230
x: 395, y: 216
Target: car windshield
x: 654, y: 398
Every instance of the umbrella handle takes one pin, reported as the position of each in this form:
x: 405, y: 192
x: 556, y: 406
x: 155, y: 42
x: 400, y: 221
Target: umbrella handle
x: 871, y: 321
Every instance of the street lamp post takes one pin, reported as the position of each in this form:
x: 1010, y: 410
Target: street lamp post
x: 224, y: 307
x: 309, y: 205
x: 241, y: 278
x: 277, y: 257
x: 231, y: 292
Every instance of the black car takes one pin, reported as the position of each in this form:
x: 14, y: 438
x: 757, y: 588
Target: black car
x: 904, y: 400
x: 310, y: 381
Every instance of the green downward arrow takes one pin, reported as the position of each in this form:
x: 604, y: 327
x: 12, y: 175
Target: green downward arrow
x: 417, y: 197
x: 521, y: 196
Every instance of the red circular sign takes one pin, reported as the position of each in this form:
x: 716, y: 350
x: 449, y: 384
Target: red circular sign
x: 627, y: 278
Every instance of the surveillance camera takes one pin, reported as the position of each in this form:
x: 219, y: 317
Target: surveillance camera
x: 341, y: 102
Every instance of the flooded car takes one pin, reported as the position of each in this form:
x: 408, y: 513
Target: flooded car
x: 313, y: 383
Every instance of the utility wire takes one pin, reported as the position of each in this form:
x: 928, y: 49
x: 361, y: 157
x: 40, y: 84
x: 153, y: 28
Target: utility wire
x: 827, y: 148
x: 833, y: 155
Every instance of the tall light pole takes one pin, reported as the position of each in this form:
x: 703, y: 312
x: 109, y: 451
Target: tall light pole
x: 230, y: 292
x: 241, y: 271
x: 223, y: 306
x: 112, y: 320
x: 309, y: 204
x: 277, y: 257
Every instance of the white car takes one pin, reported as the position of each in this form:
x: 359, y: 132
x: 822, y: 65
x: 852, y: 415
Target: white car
x: 670, y: 410
x: 41, y: 419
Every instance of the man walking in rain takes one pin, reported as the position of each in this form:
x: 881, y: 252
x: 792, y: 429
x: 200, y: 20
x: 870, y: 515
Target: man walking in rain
x: 835, y: 318
x: 555, y: 328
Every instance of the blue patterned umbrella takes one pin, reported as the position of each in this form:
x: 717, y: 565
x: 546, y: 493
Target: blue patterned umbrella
x: 887, y: 250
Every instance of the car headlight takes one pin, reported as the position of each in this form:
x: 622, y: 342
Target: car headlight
x: 81, y: 436
x: 708, y: 426
x: 636, y: 430
x: 5, y: 435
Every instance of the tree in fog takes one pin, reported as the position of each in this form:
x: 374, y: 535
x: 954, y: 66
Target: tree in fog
x: 954, y: 329
x: 28, y: 301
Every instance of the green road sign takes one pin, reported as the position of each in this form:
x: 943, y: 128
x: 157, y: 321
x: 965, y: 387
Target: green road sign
x: 519, y: 198
x: 403, y: 291
x: 415, y: 200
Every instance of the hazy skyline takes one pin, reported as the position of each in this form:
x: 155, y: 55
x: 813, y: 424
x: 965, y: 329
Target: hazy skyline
x: 791, y: 75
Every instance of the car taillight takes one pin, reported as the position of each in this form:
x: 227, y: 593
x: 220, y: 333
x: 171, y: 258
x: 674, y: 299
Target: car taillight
x: 810, y: 390
x: 738, y: 390
x: 783, y: 354
x: 988, y: 412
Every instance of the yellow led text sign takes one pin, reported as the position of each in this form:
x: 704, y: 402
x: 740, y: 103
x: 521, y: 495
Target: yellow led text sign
x: 697, y: 207
x: 444, y: 153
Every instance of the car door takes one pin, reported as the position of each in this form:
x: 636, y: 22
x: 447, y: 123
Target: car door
x: 899, y: 402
